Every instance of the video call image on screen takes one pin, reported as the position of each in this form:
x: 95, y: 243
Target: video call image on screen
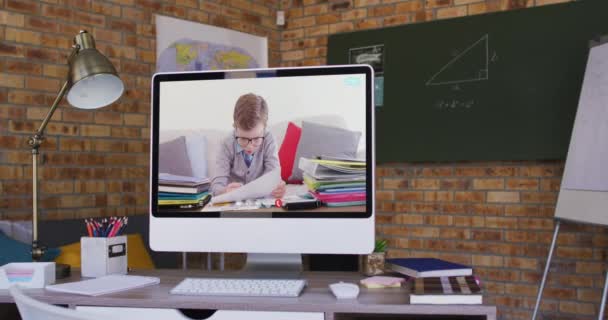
x: 237, y: 145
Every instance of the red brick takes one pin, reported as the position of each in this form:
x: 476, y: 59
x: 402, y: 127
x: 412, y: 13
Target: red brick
x: 11, y: 50
x: 25, y: 6
x: 396, y: 20
x: 311, y: 10
x: 488, y: 184
x: 541, y: 171
x: 51, y: 11
x: 487, y: 261
x: 11, y: 172
x: 577, y: 308
x: 22, y: 67
x: 409, y: 6
x: 154, y: 5
x: 41, y: 24
x: 503, y: 196
x: 433, y: 172
x: 301, y: 22
x: 43, y: 54
x: 425, y: 184
x: 438, y: 220
x: 316, y: 31
x: 381, y: 11
x: 439, y: 196
x: 483, y: 7
x: 394, y: 183
x: 43, y: 84
x: 455, y: 184
x: 574, y: 253
x: 105, y: 9
x: 487, y: 235
x: 576, y: 281
x: 11, y: 19
x: 451, y: 12
x: 328, y: 18
x: 9, y: 112
x: 354, y: 14
x: 366, y: 3
x: 469, y: 196
x: 90, y: 19
x: 368, y: 24
x: 539, y: 197
x: 340, y: 5
x: 501, y: 222
x: 175, y: 11
x: 437, y: 3
x: 11, y: 81
x: 122, y: 25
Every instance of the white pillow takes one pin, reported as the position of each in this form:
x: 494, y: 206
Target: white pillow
x: 196, y: 147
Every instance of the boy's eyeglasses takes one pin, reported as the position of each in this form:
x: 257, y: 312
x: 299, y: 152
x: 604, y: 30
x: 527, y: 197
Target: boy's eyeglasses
x: 243, y: 142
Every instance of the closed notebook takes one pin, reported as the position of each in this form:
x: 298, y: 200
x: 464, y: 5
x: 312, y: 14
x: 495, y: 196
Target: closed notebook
x: 428, y: 267
x: 104, y: 285
x: 445, y: 290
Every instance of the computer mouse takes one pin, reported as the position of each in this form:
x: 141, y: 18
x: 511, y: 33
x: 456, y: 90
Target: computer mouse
x: 344, y: 290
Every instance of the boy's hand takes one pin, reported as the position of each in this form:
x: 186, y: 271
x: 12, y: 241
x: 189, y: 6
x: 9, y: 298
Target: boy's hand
x: 279, y: 191
x: 232, y: 186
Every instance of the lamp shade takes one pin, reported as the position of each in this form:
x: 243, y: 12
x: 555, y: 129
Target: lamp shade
x: 93, y: 79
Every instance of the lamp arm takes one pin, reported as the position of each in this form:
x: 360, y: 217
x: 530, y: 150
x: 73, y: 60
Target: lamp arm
x: 35, y: 141
x: 40, y: 132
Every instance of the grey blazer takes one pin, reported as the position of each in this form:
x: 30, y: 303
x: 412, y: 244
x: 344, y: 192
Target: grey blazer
x: 231, y: 164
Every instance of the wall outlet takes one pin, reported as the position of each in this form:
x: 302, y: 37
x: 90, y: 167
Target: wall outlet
x: 280, y: 18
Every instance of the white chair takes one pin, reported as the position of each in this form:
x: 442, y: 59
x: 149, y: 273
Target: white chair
x: 31, y: 309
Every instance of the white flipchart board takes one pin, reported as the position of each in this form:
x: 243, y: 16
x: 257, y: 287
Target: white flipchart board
x: 583, y: 196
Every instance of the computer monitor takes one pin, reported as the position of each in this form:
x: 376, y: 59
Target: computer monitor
x: 225, y: 145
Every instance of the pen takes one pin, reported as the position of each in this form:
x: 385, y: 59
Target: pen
x: 123, y: 226
x: 89, y: 228
x: 115, y: 226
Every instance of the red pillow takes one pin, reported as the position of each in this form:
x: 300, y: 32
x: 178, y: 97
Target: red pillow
x: 287, y: 152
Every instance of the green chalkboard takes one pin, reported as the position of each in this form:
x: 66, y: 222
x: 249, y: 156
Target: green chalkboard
x: 499, y: 86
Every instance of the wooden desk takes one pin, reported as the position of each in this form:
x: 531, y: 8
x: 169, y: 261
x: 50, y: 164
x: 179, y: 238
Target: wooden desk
x: 372, y: 303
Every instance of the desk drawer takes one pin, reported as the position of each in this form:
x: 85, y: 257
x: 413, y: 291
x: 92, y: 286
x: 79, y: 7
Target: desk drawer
x: 174, y: 314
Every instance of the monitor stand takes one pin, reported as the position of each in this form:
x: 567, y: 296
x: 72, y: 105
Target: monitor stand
x: 273, y: 265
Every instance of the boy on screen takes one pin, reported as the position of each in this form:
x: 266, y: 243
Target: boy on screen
x: 250, y: 151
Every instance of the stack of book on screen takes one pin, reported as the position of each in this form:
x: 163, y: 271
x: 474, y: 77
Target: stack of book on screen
x: 182, y: 192
x: 437, y: 281
x: 337, y: 182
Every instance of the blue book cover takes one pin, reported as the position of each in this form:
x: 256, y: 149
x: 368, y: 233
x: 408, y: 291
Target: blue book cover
x: 428, y: 267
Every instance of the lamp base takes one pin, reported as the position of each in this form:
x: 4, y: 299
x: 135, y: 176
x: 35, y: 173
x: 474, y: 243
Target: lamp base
x: 62, y: 271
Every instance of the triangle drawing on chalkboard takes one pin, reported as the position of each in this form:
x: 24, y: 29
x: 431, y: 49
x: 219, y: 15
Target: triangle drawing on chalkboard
x: 468, y: 66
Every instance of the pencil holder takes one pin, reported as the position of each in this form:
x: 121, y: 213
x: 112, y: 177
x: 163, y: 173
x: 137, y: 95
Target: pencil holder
x: 102, y: 256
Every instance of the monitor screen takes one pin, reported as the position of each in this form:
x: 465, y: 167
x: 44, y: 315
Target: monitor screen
x: 262, y: 143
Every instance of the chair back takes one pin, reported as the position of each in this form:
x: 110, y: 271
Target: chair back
x: 31, y: 309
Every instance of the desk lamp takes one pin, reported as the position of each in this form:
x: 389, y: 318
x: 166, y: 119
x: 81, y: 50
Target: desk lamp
x: 92, y: 83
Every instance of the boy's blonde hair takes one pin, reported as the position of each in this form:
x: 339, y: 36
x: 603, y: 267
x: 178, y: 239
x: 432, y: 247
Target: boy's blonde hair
x: 249, y: 111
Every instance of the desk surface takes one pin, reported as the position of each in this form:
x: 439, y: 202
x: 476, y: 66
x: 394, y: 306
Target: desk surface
x: 316, y: 297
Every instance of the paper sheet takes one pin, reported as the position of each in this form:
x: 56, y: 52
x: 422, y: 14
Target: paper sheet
x: 258, y: 188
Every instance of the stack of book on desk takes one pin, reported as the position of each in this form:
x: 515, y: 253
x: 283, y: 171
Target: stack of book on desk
x: 436, y: 281
x: 181, y: 192
x: 335, y: 182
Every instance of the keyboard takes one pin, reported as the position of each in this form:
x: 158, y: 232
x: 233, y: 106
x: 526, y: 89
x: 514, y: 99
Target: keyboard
x: 239, y: 287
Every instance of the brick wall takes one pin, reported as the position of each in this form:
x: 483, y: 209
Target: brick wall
x: 93, y: 162
x: 495, y: 216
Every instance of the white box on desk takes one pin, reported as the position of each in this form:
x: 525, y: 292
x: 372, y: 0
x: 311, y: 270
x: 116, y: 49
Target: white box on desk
x: 42, y: 273
x: 101, y: 256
